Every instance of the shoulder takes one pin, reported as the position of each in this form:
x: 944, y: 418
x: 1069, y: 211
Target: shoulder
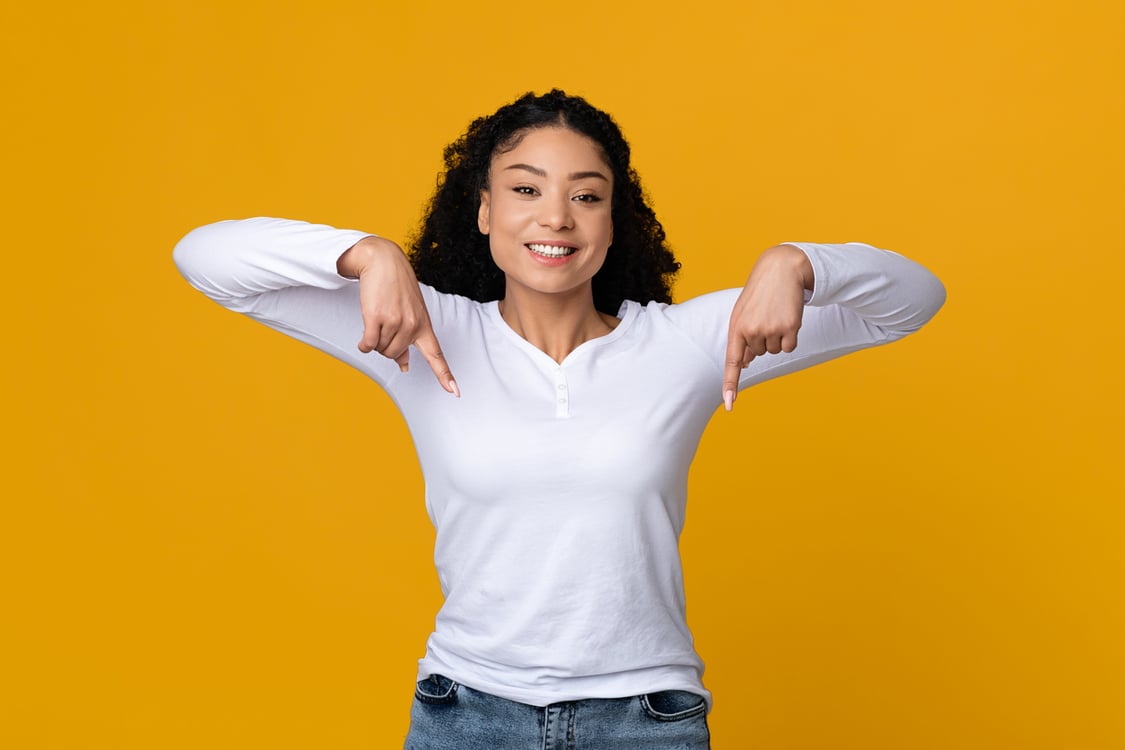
x: 443, y: 305
x: 696, y: 315
x: 704, y: 306
x: 698, y: 325
x: 705, y: 309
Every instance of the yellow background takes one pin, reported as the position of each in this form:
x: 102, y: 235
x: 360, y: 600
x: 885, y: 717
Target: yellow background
x: 213, y: 537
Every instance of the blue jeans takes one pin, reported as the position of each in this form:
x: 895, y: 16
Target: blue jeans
x: 450, y: 716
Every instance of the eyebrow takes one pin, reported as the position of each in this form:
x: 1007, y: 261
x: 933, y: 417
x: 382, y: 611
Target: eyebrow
x: 573, y: 175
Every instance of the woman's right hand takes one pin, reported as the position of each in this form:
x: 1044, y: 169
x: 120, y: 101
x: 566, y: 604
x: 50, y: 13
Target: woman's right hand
x: 394, y: 313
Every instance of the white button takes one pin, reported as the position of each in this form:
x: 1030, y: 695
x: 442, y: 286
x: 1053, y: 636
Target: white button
x: 562, y: 400
x: 562, y: 387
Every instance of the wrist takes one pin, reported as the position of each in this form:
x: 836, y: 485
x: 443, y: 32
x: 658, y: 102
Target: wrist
x: 360, y: 256
x: 795, y: 261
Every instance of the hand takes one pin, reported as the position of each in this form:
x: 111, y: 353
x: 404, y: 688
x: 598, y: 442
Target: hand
x: 767, y: 315
x: 394, y: 313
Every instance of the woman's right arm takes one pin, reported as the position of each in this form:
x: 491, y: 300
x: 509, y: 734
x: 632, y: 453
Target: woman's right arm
x: 294, y: 277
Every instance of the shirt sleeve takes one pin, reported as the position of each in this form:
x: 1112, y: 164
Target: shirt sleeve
x: 283, y: 273
x: 862, y: 297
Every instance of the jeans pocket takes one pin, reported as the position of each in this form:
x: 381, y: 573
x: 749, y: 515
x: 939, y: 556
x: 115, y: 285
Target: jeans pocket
x: 436, y: 690
x: 673, y: 705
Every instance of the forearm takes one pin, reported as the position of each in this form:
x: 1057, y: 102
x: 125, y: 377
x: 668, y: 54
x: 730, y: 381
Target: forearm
x: 884, y: 289
x: 861, y: 297
x: 233, y: 262
x: 291, y: 276
x: 795, y: 312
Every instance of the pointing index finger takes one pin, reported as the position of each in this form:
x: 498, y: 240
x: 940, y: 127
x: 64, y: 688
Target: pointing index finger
x: 427, y: 344
x: 737, y: 353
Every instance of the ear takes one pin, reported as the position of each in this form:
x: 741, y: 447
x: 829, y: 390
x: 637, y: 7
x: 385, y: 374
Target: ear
x: 483, y: 214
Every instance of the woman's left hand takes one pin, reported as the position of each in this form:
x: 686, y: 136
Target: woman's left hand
x: 767, y: 315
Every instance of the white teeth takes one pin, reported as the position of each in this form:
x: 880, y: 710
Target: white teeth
x: 551, y: 251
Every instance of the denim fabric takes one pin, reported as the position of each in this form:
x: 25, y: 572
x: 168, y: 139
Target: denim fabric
x: 450, y: 716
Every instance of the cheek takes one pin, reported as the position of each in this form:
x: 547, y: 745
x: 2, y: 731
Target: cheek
x: 503, y: 215
x: 498, y: 250
x: 607, y: 229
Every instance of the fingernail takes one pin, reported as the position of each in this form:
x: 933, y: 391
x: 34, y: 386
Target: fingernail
x: 456, y: 390
x: 404, y: 367
x: 728, y: 399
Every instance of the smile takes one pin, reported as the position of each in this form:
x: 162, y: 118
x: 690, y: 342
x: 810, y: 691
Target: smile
x: 550, y: 251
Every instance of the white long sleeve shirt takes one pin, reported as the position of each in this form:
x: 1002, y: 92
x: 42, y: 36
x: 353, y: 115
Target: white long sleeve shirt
x: 557, y: 491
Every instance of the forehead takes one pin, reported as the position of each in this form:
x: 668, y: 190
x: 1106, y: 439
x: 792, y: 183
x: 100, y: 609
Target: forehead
x: 560, y: 147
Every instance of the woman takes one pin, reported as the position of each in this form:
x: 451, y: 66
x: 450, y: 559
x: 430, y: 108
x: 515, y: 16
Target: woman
x: 538, y: 294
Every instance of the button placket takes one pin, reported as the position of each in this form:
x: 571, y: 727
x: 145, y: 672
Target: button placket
x: 562, y: 394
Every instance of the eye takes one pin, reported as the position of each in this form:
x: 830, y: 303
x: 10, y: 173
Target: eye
x: 525, y: 190
x: 587, y: 198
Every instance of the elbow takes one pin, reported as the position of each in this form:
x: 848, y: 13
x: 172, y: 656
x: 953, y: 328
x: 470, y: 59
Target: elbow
x: 929, y: 298
x: 190, y: 253
x: 200, y: 256
x: 935, y: 298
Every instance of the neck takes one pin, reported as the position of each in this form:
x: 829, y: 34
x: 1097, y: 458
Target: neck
x: 556, y: 324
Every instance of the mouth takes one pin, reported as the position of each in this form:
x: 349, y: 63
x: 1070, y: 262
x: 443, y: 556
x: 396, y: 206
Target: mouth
x: 551, y: 251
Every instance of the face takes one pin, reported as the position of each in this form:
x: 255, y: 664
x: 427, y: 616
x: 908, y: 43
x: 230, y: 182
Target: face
x: 547, y: 212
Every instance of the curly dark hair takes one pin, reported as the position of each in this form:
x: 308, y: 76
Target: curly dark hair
x: 450, y: 253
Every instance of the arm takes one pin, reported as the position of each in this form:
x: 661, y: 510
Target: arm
x: 840, y: 297
x: 292, y: 276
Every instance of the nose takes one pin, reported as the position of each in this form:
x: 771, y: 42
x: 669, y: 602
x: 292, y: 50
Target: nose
x: 555, y: 212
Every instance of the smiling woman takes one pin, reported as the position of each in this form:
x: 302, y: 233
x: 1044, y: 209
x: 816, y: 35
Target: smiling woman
x: 544, y: 275
x: 545, y: 213
x: 451, y: 253
x: 549, y: 229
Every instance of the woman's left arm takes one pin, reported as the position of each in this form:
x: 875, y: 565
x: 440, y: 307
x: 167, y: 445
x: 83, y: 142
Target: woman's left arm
x: 883, y: 294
